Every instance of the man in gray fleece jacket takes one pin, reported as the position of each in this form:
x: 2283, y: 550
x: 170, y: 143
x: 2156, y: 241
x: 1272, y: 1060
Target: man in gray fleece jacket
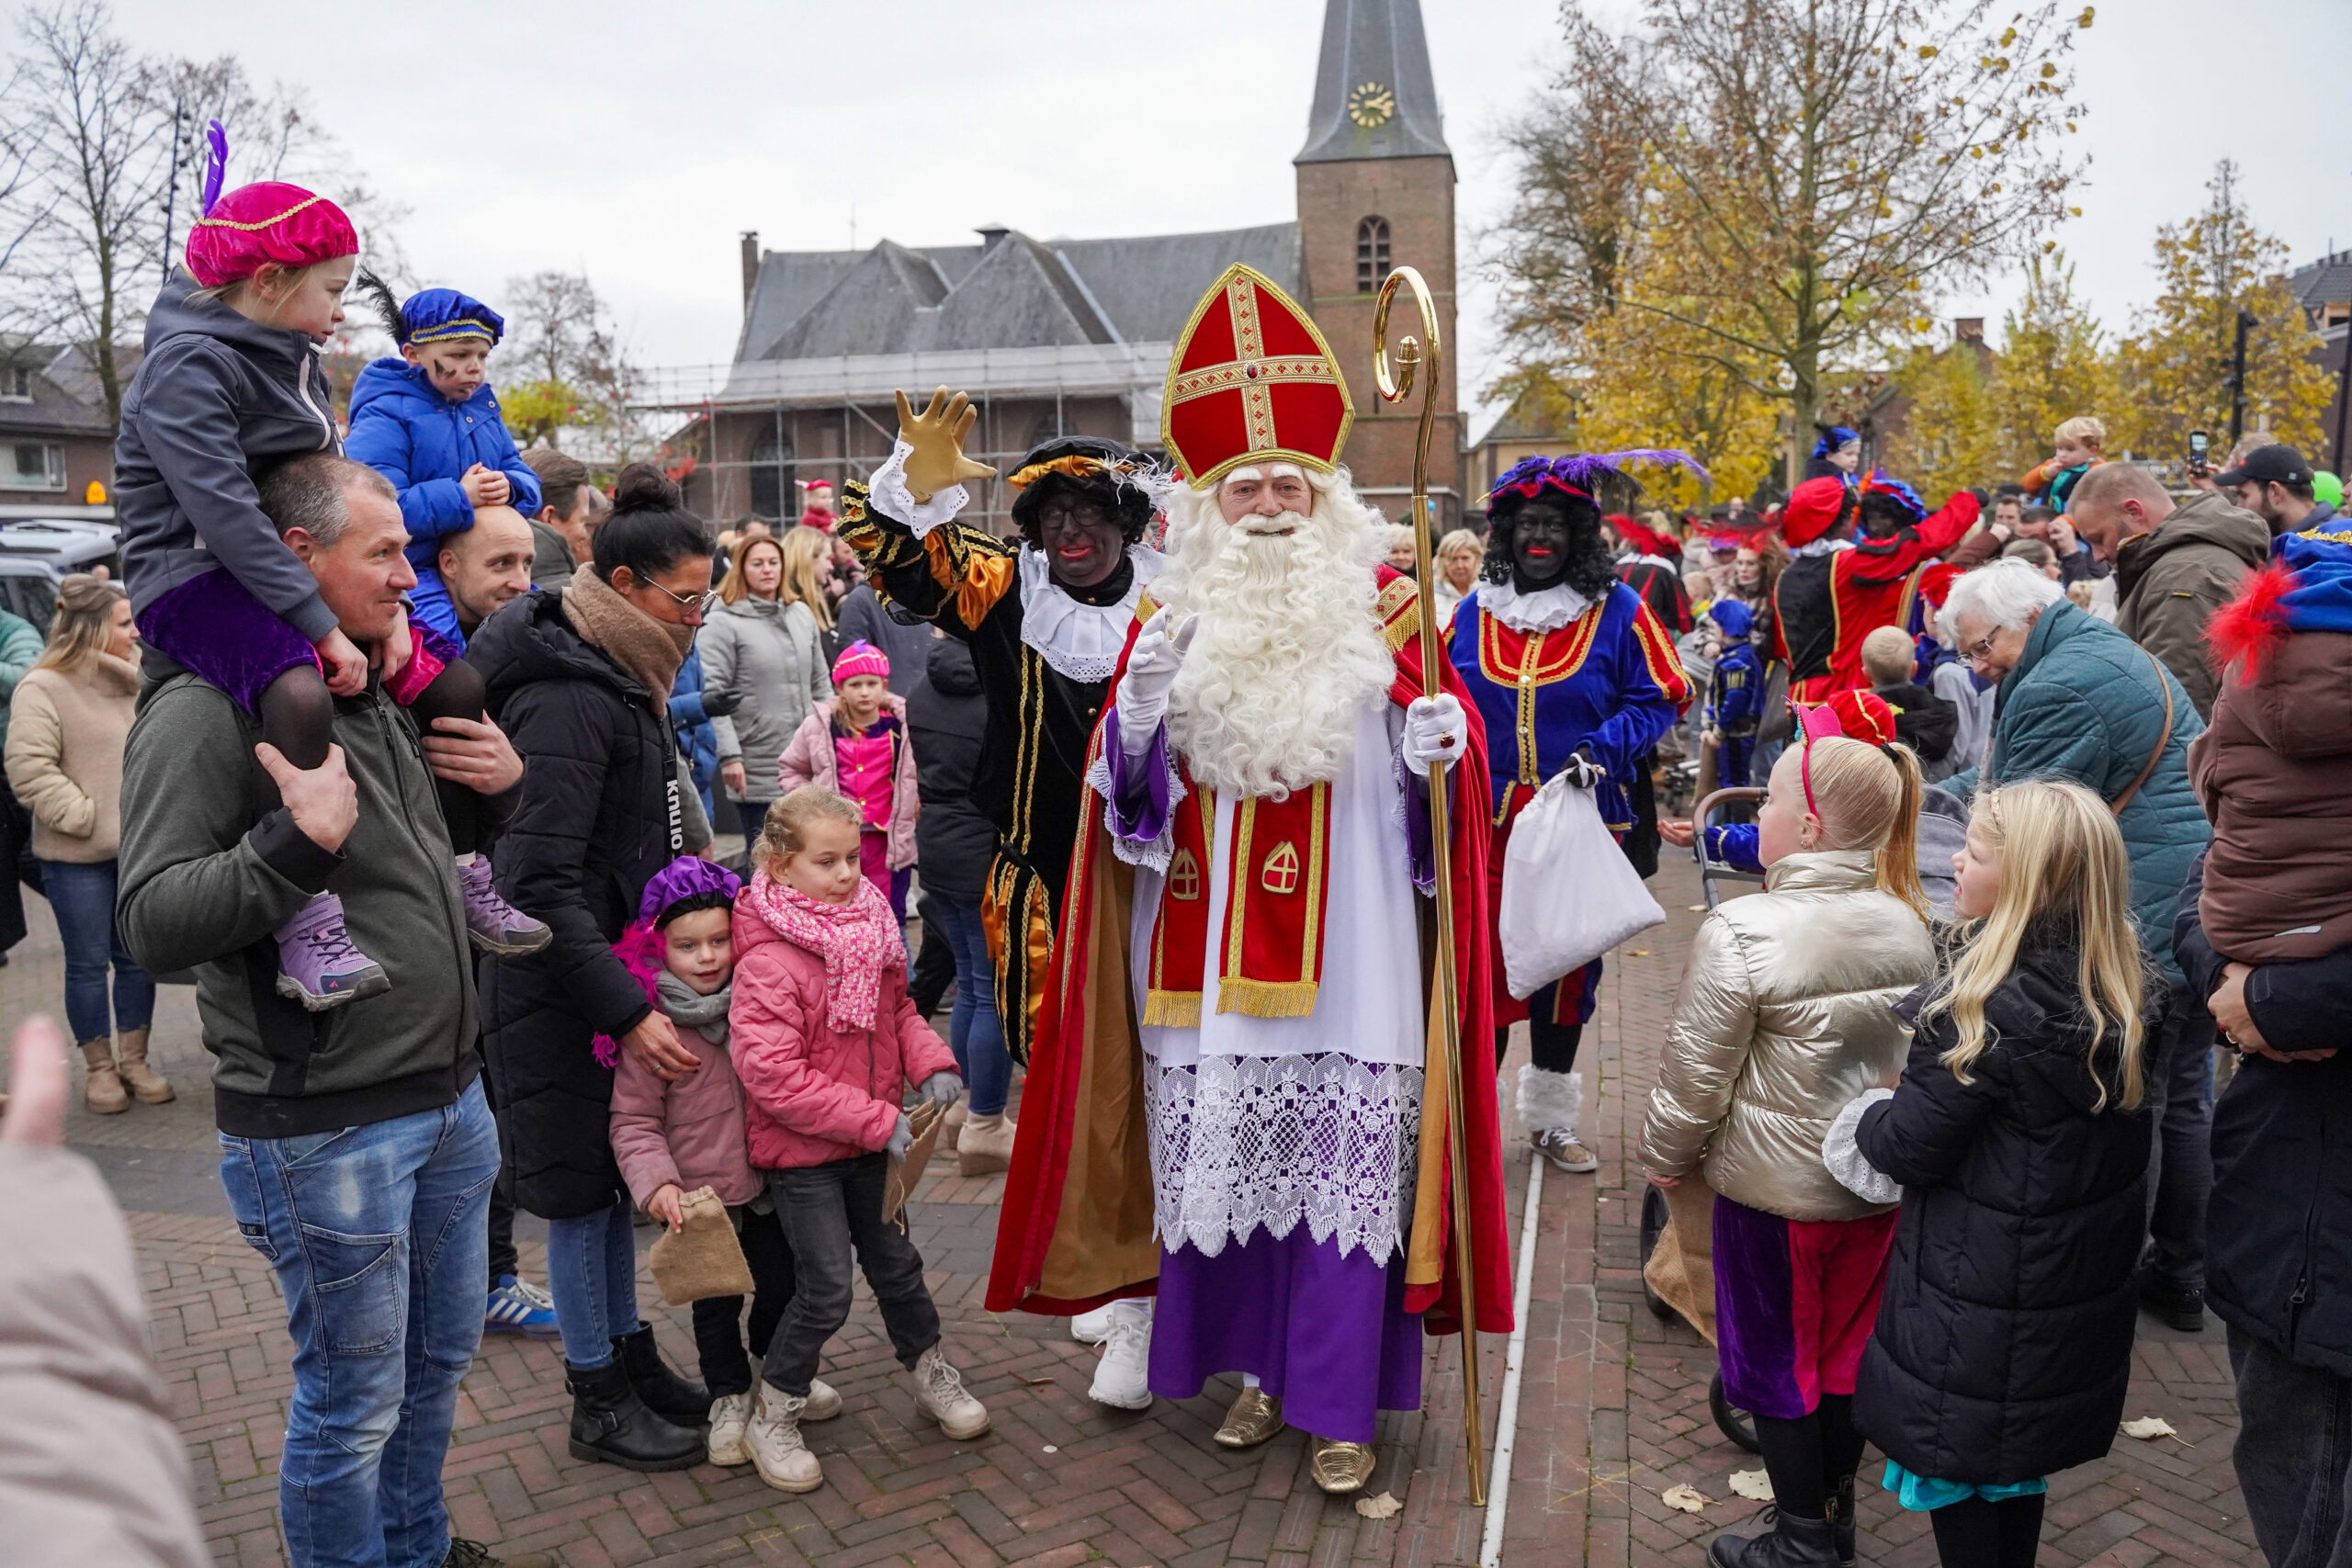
x: 356, y: 1149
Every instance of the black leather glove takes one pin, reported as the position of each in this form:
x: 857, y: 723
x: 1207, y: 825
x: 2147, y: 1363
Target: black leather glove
x: 718, y: 704
x: 1581, y: 770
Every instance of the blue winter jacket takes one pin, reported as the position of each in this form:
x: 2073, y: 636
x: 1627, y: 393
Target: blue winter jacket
x: 423, y: 442
x: 2085, y: 704
x: 697, y: 739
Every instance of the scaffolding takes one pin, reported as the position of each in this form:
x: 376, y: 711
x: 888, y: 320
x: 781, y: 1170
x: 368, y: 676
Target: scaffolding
x: 757, y: 430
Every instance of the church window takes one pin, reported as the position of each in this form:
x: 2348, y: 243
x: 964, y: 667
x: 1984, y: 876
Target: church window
x: 1372, y: 254
x: 773, y: 471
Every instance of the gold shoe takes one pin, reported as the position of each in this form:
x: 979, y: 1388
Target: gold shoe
x: 1342, y: 1468
x: 1255, y: 1417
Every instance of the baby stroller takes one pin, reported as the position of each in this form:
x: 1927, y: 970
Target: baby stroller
x: 1685, y: 1272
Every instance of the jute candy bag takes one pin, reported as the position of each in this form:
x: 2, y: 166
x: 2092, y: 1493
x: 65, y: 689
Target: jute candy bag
x: 703, y: 1259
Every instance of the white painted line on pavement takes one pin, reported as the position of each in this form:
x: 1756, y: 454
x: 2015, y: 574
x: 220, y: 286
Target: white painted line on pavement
x: 1490, y: 1552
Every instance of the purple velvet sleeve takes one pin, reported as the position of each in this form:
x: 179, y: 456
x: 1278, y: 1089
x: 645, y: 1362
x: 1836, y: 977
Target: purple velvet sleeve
x: 1417, y: 823
x: 1139, y: 794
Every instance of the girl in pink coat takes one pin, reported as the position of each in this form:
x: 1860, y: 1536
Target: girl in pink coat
x: 857, y: 745
x: 825, y: 1044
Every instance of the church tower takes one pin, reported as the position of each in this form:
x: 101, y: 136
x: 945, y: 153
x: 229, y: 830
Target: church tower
x: 1376, y: 191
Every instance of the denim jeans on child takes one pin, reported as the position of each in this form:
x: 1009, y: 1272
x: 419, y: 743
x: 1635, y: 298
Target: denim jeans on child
x: 82, y: 897
x: 376, y: 1234
x: 719, y: 1331
x: 2293, y: 1449
x: 830, y: 1212
x: 974, y: 1033
x: 592, y: 1274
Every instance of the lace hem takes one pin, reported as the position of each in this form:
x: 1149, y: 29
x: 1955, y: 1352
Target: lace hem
x: 889, y: 488
x: 1244, y: 1143
x: 1151, y: 855
x: 1843, y: 1155
x: 1547, y: 610
x: 1081, y: 641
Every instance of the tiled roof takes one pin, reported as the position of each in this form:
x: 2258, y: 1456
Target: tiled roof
x: 66, y: 396
x: 2327, y: 281
x: 1012, y: 291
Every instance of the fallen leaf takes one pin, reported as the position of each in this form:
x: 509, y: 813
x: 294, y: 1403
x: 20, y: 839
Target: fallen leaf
x: 1698, y: 908
x: 1051, y: 1450
x: 1384, y: 1507
x: 2147, y: 1427
x: 1753, y: 1484
x: 1689, y: 1499
x: 1637, y: 953
x: 1033, y: 1382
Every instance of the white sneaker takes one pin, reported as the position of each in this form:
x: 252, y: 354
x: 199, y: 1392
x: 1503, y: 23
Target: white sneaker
x: 824, y: 1401
x: 1122, y: 1378
x: 940, y: 1394
x: 774, y: 1439
x: 1093, y: 1327
x: 730, y: 1414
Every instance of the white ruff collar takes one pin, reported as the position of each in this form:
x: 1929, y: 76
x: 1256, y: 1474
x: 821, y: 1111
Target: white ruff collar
x: 1081, y: 641
x: 1820, y: 548
x: 1546, y: 610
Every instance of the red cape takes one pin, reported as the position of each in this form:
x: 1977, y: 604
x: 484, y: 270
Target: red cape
x: 1077, y: 1226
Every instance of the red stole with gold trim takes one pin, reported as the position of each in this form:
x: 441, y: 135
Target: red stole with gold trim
x: 1270, y: 954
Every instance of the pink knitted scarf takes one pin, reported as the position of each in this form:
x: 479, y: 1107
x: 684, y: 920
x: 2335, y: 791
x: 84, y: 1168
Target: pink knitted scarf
x: 857, y: 941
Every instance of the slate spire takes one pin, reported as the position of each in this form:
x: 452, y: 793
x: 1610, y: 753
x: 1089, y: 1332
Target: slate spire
x: 1374, y: 96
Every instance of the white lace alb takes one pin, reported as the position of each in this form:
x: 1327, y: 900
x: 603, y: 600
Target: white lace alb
x: 1081, y: 641
x: 1546, y: 610
x: 1241, y: 1143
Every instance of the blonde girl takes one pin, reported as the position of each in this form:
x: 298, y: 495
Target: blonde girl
x: 808, y: 555
x: 2019, y: 1141
x: 1786, y: 1015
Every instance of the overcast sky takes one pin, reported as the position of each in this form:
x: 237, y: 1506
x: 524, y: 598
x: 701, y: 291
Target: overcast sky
x: 635, y: 142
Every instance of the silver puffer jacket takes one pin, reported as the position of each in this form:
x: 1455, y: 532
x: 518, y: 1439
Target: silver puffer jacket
x: 1787, y: 1013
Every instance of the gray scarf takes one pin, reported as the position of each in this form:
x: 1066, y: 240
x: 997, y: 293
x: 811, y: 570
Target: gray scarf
x: 680, y: 1003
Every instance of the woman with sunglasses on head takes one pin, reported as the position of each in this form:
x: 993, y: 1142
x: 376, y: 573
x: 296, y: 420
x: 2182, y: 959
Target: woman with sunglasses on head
x: 580, y: 679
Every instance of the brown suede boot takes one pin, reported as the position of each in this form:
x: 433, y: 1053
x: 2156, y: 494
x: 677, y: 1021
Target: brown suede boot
x: 130, y: 1061
x: 102, y: 1091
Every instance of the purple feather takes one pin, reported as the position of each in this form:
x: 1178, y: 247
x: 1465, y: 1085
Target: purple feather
x: 216, y: 163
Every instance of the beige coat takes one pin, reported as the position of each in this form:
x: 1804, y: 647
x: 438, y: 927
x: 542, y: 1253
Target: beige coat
x: 66, y: 732
x: 1786, y: 1015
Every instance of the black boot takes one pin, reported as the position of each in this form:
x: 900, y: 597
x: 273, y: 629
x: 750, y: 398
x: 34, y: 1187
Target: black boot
x: 610, y: 1422
x: 1841, y: 1520
x: 1793, y: 1544
x: 665, y: 1394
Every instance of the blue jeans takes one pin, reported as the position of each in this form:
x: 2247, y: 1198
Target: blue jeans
x: 82, y: 897
x: 974, y: 1031
x: 379, y: 1238
x: 592, y: 1274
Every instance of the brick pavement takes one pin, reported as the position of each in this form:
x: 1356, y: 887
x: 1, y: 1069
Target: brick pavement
x: 1613, y: 1407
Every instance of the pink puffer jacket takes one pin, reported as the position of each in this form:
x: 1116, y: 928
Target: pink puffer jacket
x: 814, y: 1094
x: 809, y: 759
x: 690, y: 1132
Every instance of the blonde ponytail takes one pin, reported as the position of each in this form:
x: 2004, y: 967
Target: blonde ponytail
x: 1867, y: 798
x: 1898, y: 858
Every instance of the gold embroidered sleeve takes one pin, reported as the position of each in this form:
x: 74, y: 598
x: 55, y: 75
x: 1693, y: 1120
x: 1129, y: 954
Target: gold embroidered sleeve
x: 953, y: 576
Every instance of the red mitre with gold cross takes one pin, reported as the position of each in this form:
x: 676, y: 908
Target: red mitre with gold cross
x: 1252, y: 382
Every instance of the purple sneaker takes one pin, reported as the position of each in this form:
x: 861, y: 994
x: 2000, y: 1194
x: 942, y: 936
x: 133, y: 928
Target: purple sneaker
x: 496, y: 925
x: 317, y: 965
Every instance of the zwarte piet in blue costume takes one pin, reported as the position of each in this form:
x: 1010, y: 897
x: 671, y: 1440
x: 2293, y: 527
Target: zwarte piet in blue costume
x: 1572, y: 674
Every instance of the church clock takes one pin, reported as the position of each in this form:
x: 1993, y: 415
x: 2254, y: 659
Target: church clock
x: 1370, y: 105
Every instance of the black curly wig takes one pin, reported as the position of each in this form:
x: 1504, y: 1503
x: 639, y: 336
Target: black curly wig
x: 1131, y: 502
x: 1591, y: 570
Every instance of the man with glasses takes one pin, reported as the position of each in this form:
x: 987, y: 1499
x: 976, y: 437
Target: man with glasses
x: 2174, y: 565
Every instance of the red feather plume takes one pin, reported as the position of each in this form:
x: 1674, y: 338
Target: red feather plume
x: 2245, y: 631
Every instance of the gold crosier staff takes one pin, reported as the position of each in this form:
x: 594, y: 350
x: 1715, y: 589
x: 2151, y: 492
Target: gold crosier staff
x: 1444, y: 1062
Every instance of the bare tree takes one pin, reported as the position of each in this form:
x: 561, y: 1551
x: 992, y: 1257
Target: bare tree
x: 95, y: 148
x: 569, y: 371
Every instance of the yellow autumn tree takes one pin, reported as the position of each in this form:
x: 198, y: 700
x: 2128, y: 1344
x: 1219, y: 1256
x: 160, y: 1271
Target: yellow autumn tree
x: 2176, y: 366
x: 2054, y: 364
x: 1951, y: 440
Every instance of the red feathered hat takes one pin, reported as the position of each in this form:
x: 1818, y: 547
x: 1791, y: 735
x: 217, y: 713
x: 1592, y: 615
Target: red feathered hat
x: 1857, y: 716
x: 1934, y: 583
x: 271, y: 221
x: 1642, y: 537
x: 1252, y: 380
x: 1814, y: 509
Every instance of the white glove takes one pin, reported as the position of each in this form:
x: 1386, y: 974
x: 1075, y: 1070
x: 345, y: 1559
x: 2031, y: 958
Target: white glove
x: 1436, y: 731
x: 1142, y: 701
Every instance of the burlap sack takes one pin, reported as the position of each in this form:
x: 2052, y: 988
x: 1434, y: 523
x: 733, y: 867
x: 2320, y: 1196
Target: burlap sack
x: 702, y: 1260
x: 1681, y: 1268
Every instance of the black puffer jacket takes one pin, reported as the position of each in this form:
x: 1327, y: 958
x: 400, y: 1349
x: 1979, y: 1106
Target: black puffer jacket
x: 2004, y: 1340
x: 2278, y: 1232
x: 947, y: 720
x: 596, y: 817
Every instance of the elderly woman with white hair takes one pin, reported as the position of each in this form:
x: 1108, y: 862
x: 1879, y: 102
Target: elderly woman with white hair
x: 2082, y: 702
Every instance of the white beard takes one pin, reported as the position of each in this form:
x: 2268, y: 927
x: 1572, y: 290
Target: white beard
x: 1288, y: 653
